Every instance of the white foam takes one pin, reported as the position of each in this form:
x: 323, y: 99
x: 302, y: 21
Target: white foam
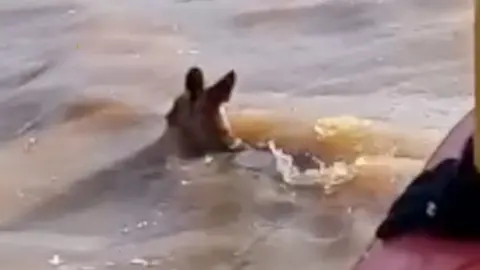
x: 326, y: 176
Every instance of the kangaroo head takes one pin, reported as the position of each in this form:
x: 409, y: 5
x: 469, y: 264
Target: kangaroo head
x: 197, y: 119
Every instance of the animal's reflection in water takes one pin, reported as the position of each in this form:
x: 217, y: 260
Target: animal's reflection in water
x: 194, y: 192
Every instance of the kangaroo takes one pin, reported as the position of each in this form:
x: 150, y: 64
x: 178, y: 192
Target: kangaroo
x: 197, y: 120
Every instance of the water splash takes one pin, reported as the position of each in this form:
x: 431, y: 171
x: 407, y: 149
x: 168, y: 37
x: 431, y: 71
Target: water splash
x: 326, y: 176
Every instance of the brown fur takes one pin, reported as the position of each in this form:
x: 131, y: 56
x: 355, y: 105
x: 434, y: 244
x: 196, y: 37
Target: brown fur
x: 196, y: 120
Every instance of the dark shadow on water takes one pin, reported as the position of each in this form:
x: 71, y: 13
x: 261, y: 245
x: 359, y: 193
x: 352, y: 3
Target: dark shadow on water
x: 123, y: 182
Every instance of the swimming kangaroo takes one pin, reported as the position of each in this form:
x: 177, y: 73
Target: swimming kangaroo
x: 197, y: 121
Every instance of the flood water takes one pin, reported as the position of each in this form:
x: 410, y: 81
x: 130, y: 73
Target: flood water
x: 86, y: 188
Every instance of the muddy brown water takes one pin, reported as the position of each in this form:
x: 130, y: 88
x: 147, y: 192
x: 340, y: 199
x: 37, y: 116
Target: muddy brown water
x: 93, y: 189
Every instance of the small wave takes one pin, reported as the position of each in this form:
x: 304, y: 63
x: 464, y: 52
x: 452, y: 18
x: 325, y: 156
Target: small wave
x: 346, y: 151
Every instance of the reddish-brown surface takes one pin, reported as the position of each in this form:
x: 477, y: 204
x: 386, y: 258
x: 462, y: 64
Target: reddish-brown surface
x: 422, y: 253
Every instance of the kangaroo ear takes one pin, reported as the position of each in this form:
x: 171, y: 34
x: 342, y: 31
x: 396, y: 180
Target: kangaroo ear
x: 194, y: 83
x: 221, y: 91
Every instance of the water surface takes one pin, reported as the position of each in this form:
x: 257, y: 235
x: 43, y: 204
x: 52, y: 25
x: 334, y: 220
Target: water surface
x: 93, y: 187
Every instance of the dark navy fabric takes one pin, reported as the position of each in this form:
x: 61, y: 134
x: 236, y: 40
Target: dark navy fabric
x: 443, y: 201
